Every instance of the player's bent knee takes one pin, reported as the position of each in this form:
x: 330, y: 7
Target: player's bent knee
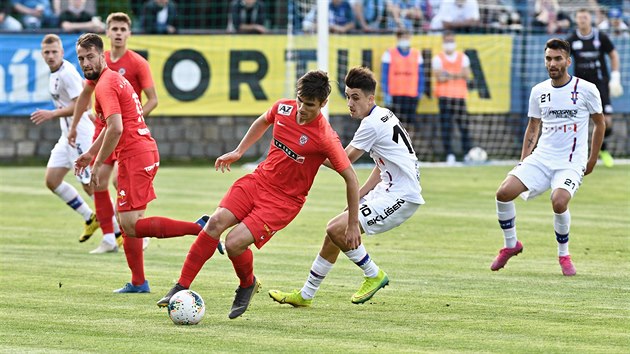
x: 52, y: 185
x: 504, y: 196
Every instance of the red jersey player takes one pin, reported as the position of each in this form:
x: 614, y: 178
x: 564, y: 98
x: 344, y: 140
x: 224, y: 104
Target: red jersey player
x: 137, y: 71
x: 126, y: 135
x: 266, y: 200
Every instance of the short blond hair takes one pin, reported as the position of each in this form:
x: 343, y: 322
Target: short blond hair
x: 118, y: 17
x: 51, y: 38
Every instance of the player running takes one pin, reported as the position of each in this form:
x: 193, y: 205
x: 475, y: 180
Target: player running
x: 136, y: 70
x: 391, y: 194
x: 118, y: 105
x: 65, y: 85
x: 265, y: 201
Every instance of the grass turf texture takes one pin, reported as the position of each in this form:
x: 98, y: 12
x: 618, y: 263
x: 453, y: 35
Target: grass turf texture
x: 55, y: 297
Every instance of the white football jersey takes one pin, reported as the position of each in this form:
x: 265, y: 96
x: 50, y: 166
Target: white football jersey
x: 565, y: 112
x: 64, y: 86
x: 382, y: 135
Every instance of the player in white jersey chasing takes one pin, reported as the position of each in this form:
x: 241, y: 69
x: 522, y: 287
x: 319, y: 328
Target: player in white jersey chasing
x: 559, y: 111
x: 391, y: 194
x: 65, y: 85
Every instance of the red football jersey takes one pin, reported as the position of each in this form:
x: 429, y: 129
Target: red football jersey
x: 135, y: 69
x: 297, y: 151
x: 115, y: 95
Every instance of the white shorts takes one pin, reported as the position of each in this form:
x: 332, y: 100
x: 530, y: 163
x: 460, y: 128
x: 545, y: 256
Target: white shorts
x: 380, y: 211
x: 63, y: 155
x: 538, y: 178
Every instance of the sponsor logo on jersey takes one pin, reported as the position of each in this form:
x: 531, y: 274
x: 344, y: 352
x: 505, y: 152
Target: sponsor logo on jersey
x: 386, y: 118
x: 285, y: 109
x: 143, y: 131
x: 563, y: 113
x: 280, y: 145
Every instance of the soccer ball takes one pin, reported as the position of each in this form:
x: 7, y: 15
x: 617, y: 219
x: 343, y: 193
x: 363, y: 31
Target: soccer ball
x: 186, y: 308
x: 476, y: 155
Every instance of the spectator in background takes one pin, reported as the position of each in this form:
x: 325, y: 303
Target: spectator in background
x: 248, y: 16
x: 38, y: 13
x: 404, y: 14
x: 451, y: 69
x: 589, y: 48
x: 340, y: 18
x: 614, y: 23
x: 549, y: 18
x: 76, y: 19
x: 159, y: 17
x: 369, y: 14
x: 7, y: 22
x: 456, y: 15
x: 401, y: 67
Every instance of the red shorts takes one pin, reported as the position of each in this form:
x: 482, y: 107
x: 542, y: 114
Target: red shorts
x: 111, y: 159
x: 135, y: 181
x: 263, y: 211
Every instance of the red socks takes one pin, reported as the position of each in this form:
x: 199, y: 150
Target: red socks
x: 244, y: 267
x: 135, y: 258
x: 200, y: 251
x: 160, y: 227
x: 104, y: 211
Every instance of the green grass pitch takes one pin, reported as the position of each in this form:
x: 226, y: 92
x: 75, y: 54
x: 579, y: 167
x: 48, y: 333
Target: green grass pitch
x: 55, y: 297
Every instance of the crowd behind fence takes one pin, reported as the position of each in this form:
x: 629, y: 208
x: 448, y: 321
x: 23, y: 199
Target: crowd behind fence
x: 352, y: 16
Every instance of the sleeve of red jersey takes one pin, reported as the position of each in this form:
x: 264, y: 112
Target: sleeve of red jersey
x: 107, y: 97
x: 144, y: 73
x: 334, y: 150
x: 270, y: 115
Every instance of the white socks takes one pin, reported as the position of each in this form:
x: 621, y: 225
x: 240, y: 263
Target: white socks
x: 319, y: 270
x: 69, y: 194
x: 110, y: 239
x: 361, y: 258
x: 321, y: 267
x: 561, y: 225
x: 507, y: 220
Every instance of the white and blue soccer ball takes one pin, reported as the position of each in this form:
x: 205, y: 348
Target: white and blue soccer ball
x: 476, y: 155
x: 186, y: 308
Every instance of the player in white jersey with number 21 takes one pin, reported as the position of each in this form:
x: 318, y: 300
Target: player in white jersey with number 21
x: 65, y: 85
x: 391, y: 194
x: 559, y: 112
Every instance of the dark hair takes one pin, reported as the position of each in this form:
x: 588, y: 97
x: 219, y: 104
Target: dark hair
x: 401, y: 32
x: 90, y: 40
x: 558, y: 44
x: 362, y: 78
x: 314, y: 85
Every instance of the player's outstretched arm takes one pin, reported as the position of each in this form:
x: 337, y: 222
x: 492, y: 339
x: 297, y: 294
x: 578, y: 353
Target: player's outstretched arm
x: 256, y: 130
x: 353, y: 230
x: 531, y: 137
x: 596, y: 140
x: 81, y: 105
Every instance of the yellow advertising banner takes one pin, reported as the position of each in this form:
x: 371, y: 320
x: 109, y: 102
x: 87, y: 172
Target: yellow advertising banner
x: 237, y: 75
